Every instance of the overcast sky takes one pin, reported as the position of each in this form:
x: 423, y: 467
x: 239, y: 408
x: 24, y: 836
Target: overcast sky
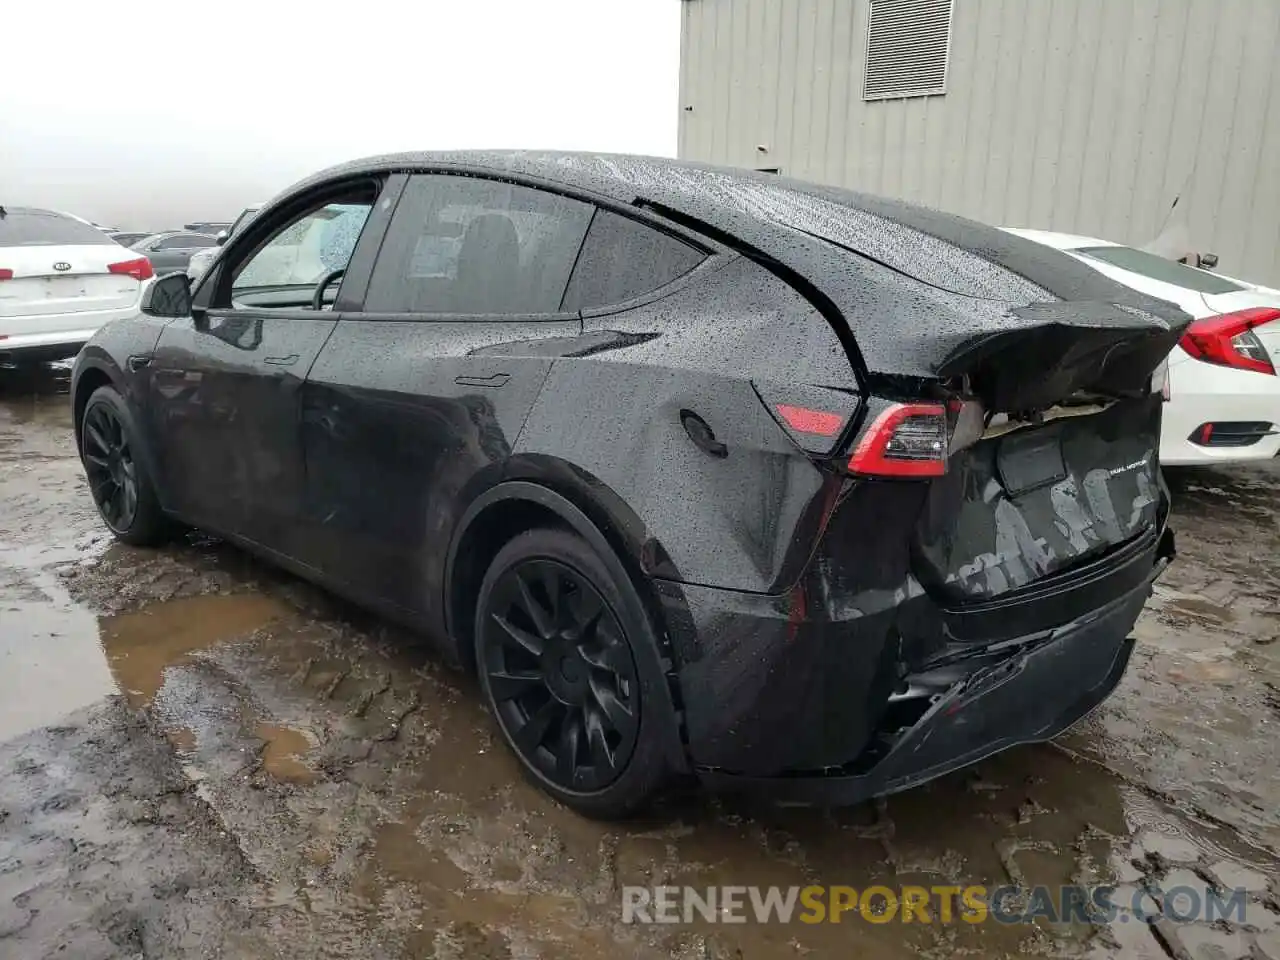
x: 143, y: 116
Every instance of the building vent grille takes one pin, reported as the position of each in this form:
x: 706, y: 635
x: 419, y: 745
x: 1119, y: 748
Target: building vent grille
x: 907, y: 45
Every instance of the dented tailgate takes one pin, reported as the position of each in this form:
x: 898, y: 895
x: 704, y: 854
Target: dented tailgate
x: 1031, y: 503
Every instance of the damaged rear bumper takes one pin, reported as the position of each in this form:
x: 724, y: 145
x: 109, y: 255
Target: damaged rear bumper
x: 1044, y: 685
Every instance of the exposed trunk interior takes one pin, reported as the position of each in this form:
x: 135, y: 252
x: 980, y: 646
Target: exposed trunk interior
x: 1030, y: 501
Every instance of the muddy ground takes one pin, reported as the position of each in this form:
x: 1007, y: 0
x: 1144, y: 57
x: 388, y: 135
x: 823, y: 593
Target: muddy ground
x: 202, y: 757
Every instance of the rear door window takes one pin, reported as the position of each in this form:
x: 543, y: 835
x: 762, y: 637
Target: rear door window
x: 623, y: 259
x: 463, y: 245
x: 28, y: 227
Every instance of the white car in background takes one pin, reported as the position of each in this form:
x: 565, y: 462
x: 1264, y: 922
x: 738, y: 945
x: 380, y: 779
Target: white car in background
x: 60, y: 280
x: 1223, y: 392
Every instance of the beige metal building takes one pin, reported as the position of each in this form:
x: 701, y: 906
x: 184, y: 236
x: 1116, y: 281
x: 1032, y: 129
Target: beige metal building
x: 1087, y: 116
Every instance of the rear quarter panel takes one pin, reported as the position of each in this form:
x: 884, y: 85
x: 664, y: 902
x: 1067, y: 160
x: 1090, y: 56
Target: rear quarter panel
x: 613, y: 418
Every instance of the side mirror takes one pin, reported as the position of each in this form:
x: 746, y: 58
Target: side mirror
x: 1208, y: 260
x: 221, y: 237
x: 168, y: 296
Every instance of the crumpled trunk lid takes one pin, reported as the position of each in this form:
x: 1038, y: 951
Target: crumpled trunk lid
x: 1027, y: 504
x: 1066, y: 349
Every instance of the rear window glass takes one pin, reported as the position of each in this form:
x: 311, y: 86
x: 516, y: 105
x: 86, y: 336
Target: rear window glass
x: 1159, y: 268
x: 622, y: 259
x: 42, y: 228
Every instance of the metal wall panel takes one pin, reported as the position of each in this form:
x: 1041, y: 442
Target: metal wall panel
x: 1085, y: 116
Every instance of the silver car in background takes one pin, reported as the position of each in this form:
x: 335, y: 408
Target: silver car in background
x: 201, y: 259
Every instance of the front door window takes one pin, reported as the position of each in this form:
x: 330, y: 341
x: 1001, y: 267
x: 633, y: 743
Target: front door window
x: 285, y: 270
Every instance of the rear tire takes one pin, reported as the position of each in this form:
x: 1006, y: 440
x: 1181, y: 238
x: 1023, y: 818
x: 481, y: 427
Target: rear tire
x: 559, y: 668
x: 122, y: 487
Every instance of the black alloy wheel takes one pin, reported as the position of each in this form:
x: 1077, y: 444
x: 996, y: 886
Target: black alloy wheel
x: 119, y: 483
x: 110, y: 465
x: 560, y: 675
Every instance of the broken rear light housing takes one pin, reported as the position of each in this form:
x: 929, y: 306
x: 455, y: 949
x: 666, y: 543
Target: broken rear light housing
x: 1229, y: 341
x: 906, y: 440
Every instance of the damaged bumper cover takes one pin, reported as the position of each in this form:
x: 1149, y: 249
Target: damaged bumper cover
x: 1040, y: 687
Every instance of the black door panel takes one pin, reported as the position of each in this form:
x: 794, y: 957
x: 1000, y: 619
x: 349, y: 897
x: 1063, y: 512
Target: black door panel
x: 401, y: 418
x: 418, y: 397
x: 226, y: 400
x: 225, y: 408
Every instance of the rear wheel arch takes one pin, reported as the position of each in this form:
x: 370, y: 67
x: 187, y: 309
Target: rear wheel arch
x: 510, y: 508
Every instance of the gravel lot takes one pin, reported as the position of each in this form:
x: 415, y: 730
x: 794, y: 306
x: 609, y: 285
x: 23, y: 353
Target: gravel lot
x: 203, y: 757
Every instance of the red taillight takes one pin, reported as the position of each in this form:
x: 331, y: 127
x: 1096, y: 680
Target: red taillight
x: 813, y: 417
x: 6, y: 274
x: 817, y: 422
x: 907, y: 440
x: 139, y: 269
x: 1229, y: 340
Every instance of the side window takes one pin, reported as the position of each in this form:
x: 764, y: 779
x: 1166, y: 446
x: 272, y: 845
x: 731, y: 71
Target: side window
x: 622, y: 259
x: 183, y: 241
x: 462, y: 245
x: 284, y: 270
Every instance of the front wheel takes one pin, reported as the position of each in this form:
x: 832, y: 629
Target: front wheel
x: 119, y: 482
x: 562, y: 672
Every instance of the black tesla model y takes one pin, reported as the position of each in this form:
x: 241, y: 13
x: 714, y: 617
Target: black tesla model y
x: 703, y: 472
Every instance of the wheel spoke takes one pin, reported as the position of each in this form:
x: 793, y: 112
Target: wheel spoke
x: 130, y: 498
x: 553, y: 587
x: 109, y: 507
x: 97, y: 461
x: 94, y: 433
x: 602, y: 656
x: 534, y: 730
x: 586, y: 615
x: 567, y: 746
x: 522, y: 638
x: 507, y: 685
x: 601, y: 755
x: 616, y: 713
x: 535, y: 610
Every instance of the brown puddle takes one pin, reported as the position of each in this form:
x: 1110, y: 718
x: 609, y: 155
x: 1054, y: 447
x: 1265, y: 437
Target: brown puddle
x: 50, y: 663
x: 142, y: 644
x: 282, y: 753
